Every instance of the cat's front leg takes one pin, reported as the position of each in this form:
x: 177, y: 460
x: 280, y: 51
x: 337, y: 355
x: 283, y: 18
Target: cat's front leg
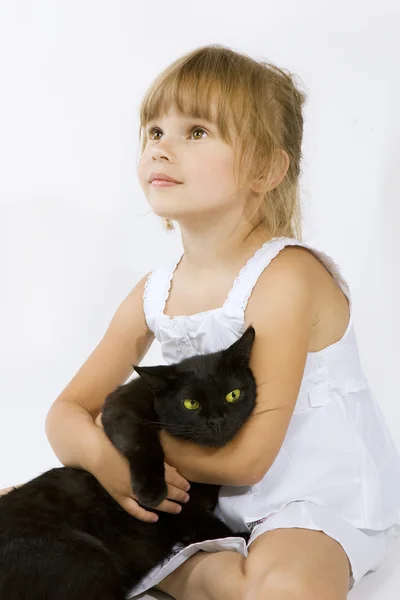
x: 148, y: 471
x: 130, y: 423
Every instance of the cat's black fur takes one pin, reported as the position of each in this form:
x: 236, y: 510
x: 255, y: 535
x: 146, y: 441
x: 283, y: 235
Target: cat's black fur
x: 62, y: 536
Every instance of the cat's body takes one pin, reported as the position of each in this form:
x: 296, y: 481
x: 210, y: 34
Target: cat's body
x: 62, y: 536
x: 68, y: 539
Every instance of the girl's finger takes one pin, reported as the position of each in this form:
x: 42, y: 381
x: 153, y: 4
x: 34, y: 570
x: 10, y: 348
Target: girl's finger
x: 140, y: 513
x: 170, y: 507
x: 177, y: 494
x: 173, y: 478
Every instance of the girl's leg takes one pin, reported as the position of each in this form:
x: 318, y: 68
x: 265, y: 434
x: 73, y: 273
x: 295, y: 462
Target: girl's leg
x: 207, y: 576
x: 295, y: 563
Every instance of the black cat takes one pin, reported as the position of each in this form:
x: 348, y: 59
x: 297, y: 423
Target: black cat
x: 63, y: 537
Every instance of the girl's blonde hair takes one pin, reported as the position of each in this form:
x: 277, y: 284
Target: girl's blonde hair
x: 260, y: 101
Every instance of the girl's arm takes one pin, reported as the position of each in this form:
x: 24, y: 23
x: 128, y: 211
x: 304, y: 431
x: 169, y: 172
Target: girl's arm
x: 70, y: 422
x: 282, y: 312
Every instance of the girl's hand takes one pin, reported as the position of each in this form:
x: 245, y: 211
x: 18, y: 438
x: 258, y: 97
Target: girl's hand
x: 112, y: 471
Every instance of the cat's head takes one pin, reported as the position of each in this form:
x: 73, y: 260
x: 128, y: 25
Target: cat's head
x: 206, y: 398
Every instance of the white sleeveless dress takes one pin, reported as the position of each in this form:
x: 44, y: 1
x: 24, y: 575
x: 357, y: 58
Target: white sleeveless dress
x: 338, y: 470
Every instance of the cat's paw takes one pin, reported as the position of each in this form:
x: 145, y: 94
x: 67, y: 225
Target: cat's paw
x: 150, y: 492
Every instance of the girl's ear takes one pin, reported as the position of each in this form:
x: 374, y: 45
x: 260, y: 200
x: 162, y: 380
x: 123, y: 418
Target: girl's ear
x: 275, y: 176
x: 158, y: 378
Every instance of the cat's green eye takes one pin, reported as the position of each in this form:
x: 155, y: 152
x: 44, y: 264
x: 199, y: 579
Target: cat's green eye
x: 233, y: 396
x: 191, y: 404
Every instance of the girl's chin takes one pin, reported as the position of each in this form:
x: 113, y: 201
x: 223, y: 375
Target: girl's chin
x: 164, y: 213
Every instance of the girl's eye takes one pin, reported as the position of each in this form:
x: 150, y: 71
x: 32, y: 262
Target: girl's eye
x: 155, y: 129
x: 199, y: 129
x: 232, y: 396
x: 191, y: 404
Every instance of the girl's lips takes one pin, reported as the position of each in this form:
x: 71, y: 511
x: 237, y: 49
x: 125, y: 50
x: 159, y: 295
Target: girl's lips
x: 163, y: 183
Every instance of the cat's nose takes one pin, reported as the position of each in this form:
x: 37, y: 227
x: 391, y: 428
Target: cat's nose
x: 216, y: 424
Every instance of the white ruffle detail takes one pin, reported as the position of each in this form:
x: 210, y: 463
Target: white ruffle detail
x: 242, y: 273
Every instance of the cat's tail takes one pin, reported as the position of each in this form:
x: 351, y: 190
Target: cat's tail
x: 46, y: 568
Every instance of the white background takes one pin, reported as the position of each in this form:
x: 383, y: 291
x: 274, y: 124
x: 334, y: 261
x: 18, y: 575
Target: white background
x: 76, y: 232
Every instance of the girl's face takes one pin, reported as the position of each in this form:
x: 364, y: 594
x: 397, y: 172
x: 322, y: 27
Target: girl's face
x: 193, y: 153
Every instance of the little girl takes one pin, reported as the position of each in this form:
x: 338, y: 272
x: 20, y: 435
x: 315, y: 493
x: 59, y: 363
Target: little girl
x: 314, y: 475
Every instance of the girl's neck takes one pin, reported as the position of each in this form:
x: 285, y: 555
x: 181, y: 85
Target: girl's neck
x: 214, y: 248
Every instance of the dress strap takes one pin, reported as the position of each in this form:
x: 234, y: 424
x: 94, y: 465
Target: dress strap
x: 156, y: 292
x: 244, y: 283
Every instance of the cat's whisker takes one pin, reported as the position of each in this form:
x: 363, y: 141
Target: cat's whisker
x: 166, y: 424
x: 264, y: 382
x: 177, y: 426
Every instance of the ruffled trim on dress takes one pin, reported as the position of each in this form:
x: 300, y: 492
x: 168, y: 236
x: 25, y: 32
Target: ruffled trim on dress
x: 168, y: 283
x: 242, y: 273
x: 146, y: 302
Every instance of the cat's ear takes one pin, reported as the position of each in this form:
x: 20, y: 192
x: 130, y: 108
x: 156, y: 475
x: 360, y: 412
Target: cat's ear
x: 158, y: 378
x: 240, y: 350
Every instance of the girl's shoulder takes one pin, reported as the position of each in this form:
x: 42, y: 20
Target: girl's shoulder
x: 298, y: 273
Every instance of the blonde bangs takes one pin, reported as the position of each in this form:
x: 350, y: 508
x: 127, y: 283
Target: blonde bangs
x: 197, y: 86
